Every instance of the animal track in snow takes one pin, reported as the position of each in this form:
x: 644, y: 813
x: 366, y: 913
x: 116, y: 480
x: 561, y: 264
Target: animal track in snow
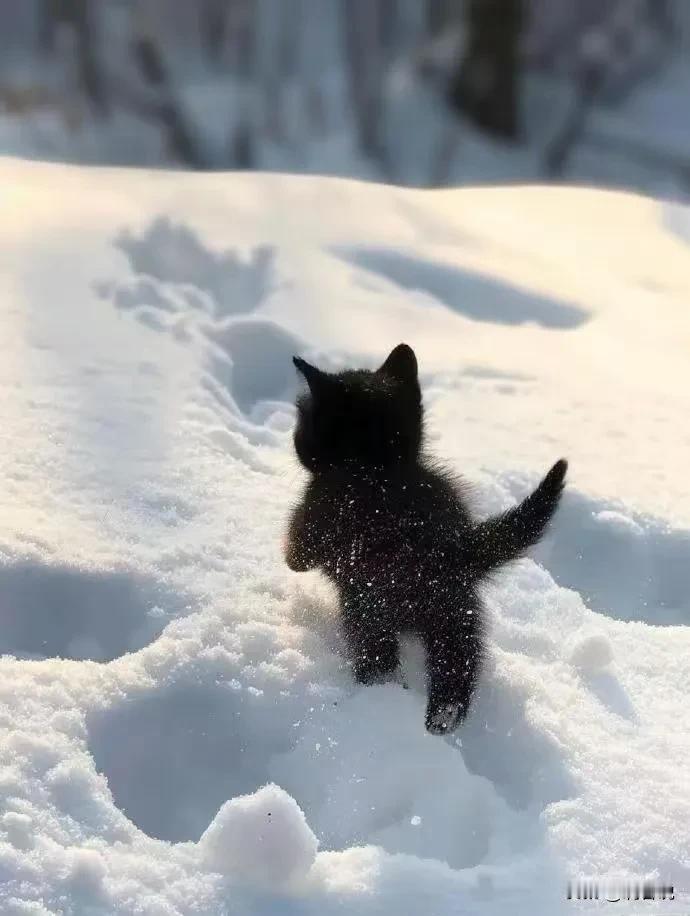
x: 68, y: 612
x: 465, y: 291
x: 183, y: 288
x: 175, y: 255
x: 627, y: 566
x: 173, y: 757
x: 173, y: 754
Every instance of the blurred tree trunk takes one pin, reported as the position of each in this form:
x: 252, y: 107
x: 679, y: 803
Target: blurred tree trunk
x: 48, y: 20
x: 154, y: 72
x: 366, y: 28
x: 78, y: 15
x: 243, y: 25
x: 212, y: 27
x: 486, y: 84
x: 441, y: 15
x: 388, y: 27
x: 283, y: 70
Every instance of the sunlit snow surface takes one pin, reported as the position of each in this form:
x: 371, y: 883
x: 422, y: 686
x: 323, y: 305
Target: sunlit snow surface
x: 180, y: 732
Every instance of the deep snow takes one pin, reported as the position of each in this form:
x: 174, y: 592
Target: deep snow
x: 180, y: 733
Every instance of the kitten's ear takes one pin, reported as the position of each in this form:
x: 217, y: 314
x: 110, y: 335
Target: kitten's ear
x: 401, y: 364
x: 315, y: 378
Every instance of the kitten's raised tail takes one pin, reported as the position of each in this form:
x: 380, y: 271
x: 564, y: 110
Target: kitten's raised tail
x: 507, y: 536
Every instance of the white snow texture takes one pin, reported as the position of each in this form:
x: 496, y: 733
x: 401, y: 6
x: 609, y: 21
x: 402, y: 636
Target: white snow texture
x: 180, y: 733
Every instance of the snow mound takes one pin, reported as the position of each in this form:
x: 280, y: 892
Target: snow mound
x: 592, y: 652
x: 181, y: 732
x: 261, y: 838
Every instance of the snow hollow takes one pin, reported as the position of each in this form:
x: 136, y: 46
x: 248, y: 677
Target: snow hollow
x: 180, y: 735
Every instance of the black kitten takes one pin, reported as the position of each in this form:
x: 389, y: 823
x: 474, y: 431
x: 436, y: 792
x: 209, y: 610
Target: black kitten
x: 393, y: 531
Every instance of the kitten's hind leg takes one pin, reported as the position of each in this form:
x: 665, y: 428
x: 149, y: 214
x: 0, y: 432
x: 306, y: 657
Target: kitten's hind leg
x: 452, y: 664
x: 373, y: 648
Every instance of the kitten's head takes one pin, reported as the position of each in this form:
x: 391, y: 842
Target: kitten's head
x: 360, y: 418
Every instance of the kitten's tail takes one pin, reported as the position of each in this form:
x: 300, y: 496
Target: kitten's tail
x: 507, y: 536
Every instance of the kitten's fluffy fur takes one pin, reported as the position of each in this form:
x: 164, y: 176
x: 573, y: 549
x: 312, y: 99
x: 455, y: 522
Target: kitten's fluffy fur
x: 393, y: 530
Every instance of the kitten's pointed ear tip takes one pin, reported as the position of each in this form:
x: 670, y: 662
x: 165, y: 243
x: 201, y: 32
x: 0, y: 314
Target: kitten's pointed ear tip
x: 401, y: 363
x: 315, y: 378
x: 403, y: 353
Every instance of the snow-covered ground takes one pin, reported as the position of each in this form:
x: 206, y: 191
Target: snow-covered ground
x: 180, y: 734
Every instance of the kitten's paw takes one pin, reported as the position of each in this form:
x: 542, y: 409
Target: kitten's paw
x: 443, y: 719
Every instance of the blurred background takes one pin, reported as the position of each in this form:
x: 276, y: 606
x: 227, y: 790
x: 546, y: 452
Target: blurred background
x: 415, y: 92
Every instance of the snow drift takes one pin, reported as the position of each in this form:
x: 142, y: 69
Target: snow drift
x: 180, y: 732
